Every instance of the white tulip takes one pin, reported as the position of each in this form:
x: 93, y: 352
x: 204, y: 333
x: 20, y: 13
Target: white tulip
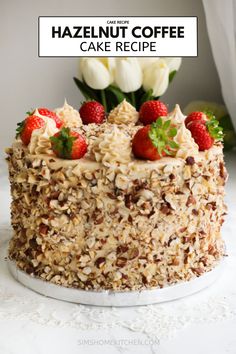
x: 144, y: 62
x: 95, y: 73
x: 109, y: 63
x: 128, y: 74
x: 156, y: 77
x: 173, y: 63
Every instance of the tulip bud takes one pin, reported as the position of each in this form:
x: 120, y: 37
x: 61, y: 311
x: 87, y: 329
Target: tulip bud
x: 109, y: 63
x: 156, y: 77
x: 128, y: 74
x: 173, y: 63
x: 144, y: 62
x: 95, y: 73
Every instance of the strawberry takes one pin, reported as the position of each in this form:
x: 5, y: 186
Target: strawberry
x: 92, y: 112
x: 151, y: 110
x: 205, y: 132
x: 154, y: 141
x: 196, y: 116
x: 27, y: 126
x: 201, y: 135
x: 49, y: 114
x: 68, y: 144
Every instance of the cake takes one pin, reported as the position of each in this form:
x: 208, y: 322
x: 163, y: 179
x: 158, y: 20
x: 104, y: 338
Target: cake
x: 111, y: 221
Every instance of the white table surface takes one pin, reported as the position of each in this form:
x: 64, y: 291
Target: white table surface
x: 202, y: 323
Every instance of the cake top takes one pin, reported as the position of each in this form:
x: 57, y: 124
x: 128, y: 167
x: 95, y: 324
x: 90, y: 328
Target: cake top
x: 121, y: 137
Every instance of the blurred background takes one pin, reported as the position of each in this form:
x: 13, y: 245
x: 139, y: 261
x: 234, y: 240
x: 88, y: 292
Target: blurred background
x: 29, y: 81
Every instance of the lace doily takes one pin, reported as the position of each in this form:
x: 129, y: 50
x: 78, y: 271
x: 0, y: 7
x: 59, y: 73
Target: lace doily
x: 158, y: 322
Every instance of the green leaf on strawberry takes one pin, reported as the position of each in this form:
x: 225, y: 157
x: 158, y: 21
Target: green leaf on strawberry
x: 173, y: 144
x: 215, y: 130
x: 161, y: 134
x: 63, y: 143
x: 172, y: 132
x: 31, y: 112
x: 19, y: 129
x: 68, y: 144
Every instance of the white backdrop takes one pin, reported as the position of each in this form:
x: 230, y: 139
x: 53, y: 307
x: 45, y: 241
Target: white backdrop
x: 221, y: 18
x: 28, y: 81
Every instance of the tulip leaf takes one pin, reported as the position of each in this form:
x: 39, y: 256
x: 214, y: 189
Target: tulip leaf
x: 111, y: 100
x: 229, y: 132
x: 172, y: 75
x: 226, y: 122
x: 138, y: 94
x: 147, y: 96
x: 87, y: 92
x: 120, y: 96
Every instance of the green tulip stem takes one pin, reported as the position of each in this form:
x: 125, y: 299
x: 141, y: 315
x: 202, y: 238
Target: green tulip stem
x: 133, y: 99
x: 104, y: 101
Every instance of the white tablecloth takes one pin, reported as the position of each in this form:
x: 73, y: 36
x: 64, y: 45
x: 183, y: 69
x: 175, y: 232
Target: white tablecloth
x: 202, y: 323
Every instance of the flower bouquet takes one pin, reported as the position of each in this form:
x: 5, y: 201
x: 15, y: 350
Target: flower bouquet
x: 111, y: 80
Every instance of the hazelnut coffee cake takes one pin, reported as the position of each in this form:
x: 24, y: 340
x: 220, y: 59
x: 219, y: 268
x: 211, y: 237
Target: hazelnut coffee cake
x: 125, y: 201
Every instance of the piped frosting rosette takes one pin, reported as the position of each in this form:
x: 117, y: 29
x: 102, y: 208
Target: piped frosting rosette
x: 187, y: 145
x: 112, y: 147
x: 40, y: 139
x: 124, y: 113
x: 69, y: 116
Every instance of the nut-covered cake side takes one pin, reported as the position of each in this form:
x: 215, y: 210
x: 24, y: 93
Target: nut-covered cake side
x: 111, y: 221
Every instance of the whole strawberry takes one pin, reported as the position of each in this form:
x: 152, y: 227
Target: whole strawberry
x: 154, y: 141
x: 151, y: 110
x: 92, y: 112
x: 205, y: 133
x: 68, y: 144
x: 49, y: 114
x: 27, y: 126
x: 195, y: 116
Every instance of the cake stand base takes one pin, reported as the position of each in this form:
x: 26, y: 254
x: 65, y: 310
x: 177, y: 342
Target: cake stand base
x: 118, y: 298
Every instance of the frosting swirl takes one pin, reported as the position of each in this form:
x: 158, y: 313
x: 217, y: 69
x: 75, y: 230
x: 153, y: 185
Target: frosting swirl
x: 69, y: 116
x: 40, y: 139
x: 187, y: 145
x: 111, y: 147
x: 124, y: 113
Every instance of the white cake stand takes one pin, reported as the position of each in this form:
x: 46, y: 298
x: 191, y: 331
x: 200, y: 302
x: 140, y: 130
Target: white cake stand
x: 112, y: 298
